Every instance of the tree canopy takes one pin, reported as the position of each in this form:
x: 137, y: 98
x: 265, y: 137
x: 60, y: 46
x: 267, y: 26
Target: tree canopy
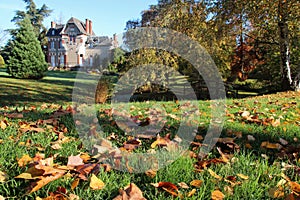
x: 26, y: 59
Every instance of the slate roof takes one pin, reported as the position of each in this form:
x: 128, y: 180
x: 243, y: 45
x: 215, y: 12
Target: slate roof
x: 60, y: 29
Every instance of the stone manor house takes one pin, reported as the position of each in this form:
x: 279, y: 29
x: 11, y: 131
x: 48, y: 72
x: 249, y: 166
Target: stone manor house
x: 75, y: 44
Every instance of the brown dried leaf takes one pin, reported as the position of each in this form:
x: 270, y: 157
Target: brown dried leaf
x: 167, y: 185
x: 183, y: 185
x: 269, y: 145
x: 130, y: 192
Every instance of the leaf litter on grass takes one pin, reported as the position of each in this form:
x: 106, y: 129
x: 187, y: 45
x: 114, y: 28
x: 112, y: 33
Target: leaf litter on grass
x: 84, y: 167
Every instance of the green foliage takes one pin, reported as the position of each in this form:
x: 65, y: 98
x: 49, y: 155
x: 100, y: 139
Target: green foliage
x: 2, y: 63
x: 36, y: 16
x: 26, y: 59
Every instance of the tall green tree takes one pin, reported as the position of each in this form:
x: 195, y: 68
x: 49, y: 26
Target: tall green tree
x: 26, y: 59
x: 36, y: 16
x: 272, y: 27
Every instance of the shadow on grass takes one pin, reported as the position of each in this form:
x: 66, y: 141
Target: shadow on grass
x: 23, y: 91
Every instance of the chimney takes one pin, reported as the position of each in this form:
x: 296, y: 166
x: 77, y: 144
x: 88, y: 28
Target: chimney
x: 53, y: 24
x: 91, y: 27
x: 87, y: 26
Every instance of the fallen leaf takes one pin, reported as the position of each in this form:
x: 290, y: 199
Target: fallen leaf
x: 294, y: 186
x: 3, y: 124
x: 203, y: 164
x: 217, y: 195
x: 73, y: 197
x: 167, y: 185
x: 3, y: 177
x: 75, y: 161
x: 269, y: 145
x: 75, y: 183
x: 130, y: 192
x: 276, y: 192
x: 283, y: 141
x: 56, y: 146
x: 44, y: 180
x: 242, y: 176
x: 250, y: 138
x: 96, y: 183
x: 192, y: 192
x: 24, y: 160
x: 14, y: 115
x: 151, y: 173
x: 228, y: 190
x: 196, y: 183
x: 213, y: 174
x: 183, y: 185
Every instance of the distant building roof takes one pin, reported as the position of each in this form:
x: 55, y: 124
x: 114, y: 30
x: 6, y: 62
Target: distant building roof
x: 60, y: 28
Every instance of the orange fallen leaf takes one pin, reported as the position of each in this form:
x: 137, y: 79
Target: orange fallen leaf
x: 196, y: 183
x: 75, y: 183
x: 44, y: 180
x: 294, y: 186
x: 96, y: 183
x: 217, y: 195
x: 167, y: 185
x: 24, y: 160
x: 269, y: 145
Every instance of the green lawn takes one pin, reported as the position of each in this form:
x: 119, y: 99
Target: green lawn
x: 261, y: 143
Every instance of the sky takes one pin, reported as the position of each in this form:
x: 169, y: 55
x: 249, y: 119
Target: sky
x: 108, y: 16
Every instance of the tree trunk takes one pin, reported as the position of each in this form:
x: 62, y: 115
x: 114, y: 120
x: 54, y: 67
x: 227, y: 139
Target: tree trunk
x: 286, y: 76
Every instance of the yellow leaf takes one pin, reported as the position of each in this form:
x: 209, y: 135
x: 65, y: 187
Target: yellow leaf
x: 96, y: 183
x: 192, y: 192
x: 196, y: 183
x: 3, y: 177
x: 217, y: 195
x: 242, y: 176
x: 212, y: 173
x: 3, y: 125
x: 26, y: 176
x: 24, y: 160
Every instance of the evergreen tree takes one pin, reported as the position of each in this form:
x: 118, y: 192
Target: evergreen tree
x: 26, y: 59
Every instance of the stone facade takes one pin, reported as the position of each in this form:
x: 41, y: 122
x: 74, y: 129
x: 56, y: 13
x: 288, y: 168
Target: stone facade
x: 74, y: 44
